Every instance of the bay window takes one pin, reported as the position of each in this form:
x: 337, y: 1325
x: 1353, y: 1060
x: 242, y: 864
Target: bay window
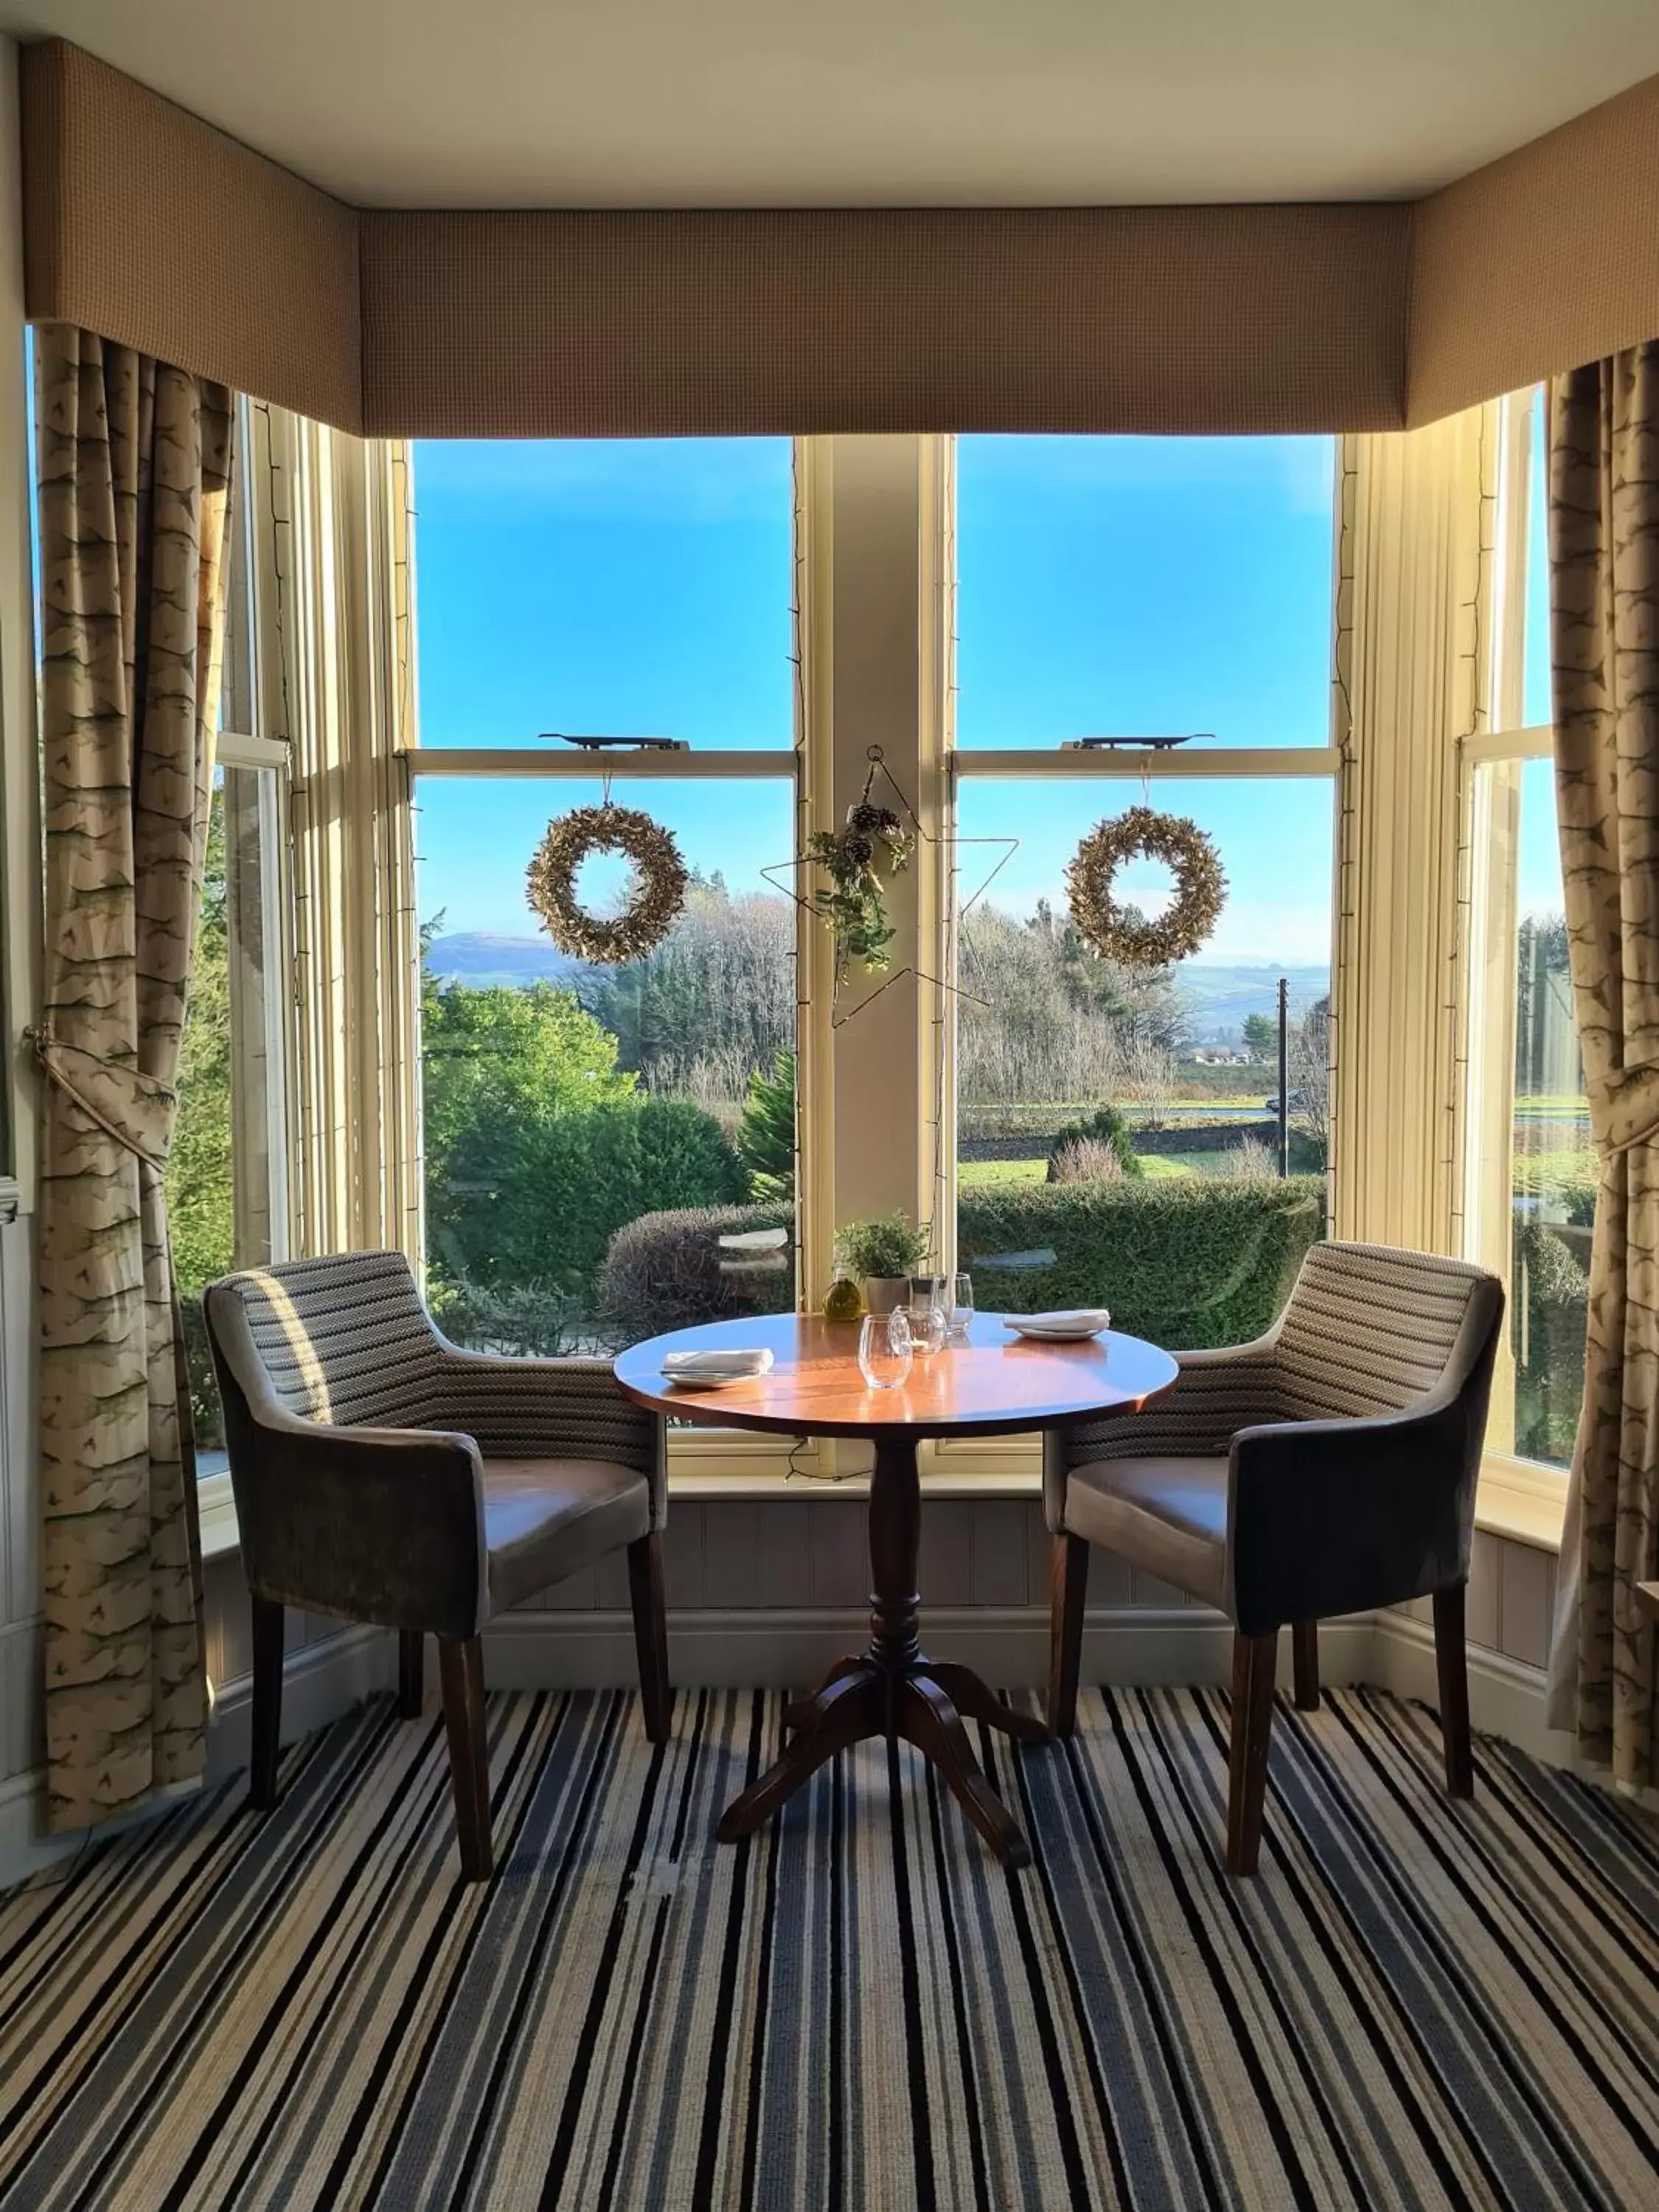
x: 1530, y: 1174
x: 610, y: 1149
x: 227, y: 1180
x: 1141, y: 622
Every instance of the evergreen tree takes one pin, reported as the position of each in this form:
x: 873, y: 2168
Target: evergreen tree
x: 766, y: 1136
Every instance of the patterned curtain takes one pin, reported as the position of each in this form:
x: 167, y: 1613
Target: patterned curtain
x: 135, y: 461
x: 1604, y: 593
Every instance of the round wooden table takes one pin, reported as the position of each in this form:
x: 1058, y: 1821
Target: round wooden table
x: 996, y: 1384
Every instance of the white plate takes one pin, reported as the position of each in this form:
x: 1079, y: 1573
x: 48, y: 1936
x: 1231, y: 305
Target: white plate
x: 1053, y: 1329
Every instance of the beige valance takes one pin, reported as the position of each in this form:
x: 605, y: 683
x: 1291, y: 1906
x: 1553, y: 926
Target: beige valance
x: 146, y: 225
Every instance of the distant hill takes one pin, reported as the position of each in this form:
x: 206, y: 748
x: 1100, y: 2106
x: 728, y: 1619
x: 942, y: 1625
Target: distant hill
x: 1219, y: 996
x: 477, y: 957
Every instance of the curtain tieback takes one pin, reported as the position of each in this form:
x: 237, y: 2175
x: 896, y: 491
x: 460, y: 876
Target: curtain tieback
x: 136, y: 1109
x: 1623, y: 1107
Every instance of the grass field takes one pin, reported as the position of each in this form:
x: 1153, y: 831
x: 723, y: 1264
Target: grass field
x: 979, y: 1174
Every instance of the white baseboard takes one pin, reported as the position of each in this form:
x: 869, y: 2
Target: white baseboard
x: 789, y: 1648
x: 320, y: 1681
x: 1506, y: 1697
x: 786, y: 1647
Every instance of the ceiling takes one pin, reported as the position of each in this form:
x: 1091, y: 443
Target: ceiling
x: 805, y: 103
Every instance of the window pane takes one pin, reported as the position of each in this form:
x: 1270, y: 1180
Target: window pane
x: 1144, y: 586
x: 593, y: 1135
x: 221, y: 1210
x: 1554, y: 1177
x: 1115, y: 1141
x: 609, y: 586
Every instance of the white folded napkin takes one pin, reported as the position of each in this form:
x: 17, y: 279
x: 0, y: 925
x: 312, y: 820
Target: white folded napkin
x: 1072, y: 1317
x: 716, y: 1366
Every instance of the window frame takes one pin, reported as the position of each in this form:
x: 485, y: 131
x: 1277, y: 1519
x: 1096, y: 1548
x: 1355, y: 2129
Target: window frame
x: 247, y: 743
x: 1528, y: 1495
x: 700, y: 1458
x: 1018, y: 1459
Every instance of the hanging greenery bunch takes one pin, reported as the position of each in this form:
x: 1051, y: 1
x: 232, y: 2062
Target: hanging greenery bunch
x: 852, y: 902
x: 1114, y: 933
x: 657, y: 889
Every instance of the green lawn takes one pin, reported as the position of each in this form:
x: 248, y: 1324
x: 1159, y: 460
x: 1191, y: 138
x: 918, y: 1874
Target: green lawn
x: 981, y: 1174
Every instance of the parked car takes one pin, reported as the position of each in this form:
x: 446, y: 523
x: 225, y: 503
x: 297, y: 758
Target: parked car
x: 1272, y: 1104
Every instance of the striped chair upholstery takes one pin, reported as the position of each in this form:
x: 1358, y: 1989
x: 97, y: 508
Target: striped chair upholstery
x: 347, y: 1340
x: 383, y: 1475
x: 1328, y: 1468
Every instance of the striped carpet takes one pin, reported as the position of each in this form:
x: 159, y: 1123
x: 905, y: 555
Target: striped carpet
x: 1413, y: 2005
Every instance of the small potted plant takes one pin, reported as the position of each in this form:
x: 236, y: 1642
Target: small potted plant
x: 882, y: 1255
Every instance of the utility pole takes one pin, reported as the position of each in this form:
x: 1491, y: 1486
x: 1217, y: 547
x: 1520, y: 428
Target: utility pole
x: 1283, y: 1075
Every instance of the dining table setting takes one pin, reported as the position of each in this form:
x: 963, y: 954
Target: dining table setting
x: 892, y: 1383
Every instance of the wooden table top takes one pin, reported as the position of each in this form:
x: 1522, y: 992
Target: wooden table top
x: 996, y: 1384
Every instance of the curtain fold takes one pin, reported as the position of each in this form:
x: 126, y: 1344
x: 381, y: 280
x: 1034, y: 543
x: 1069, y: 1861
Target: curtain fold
x: 135, y: 463
x: 1604, y: 604
x: 348, y: 646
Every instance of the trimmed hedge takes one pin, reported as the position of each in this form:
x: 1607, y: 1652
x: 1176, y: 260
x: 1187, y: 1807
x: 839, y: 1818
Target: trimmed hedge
x: 667, y: 1270
x: 1187, y: 1262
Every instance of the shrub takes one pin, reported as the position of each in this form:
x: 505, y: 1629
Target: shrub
x: 1107, y: 1128
x: 1086, y: 1159
x: 1189, y: 1261
x: 1569, y: 1178
x: 535, y: 1199
x: 668, y: 1270
x: 530, y: 1320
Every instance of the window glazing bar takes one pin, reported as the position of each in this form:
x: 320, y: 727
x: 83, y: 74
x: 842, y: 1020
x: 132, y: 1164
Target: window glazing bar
x: 1134, y: 767
x: 594, y: 767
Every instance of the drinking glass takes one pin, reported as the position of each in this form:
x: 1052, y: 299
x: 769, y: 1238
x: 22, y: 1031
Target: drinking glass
x: 884, y: 1350
x: 929, y: 1320
x: 961, y: 1306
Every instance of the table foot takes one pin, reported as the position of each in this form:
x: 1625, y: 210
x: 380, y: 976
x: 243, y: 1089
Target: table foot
x: 847, y: 1710
x: 976, y: 1700
x: 919, y: 1702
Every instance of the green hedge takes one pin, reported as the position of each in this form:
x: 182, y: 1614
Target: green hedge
x: 1192, y: 1261
x: 668, y: 1270
x: 528, y: 1201
x: 1189, y: 1262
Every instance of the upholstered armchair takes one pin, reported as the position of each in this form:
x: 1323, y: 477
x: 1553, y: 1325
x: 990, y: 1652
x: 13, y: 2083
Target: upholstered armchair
x: 383, y: 1476
x: 1328, y: 1468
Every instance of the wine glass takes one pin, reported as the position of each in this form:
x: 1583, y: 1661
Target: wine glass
x: 962, y: 1307
x: 885, y: 1349
x: 929, y: 1321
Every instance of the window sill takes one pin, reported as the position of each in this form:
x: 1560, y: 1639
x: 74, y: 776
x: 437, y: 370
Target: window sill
x: 1522, y: 1501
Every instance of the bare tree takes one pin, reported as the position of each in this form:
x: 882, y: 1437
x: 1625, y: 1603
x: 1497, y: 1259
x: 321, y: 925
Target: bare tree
x: 1310, y: 1071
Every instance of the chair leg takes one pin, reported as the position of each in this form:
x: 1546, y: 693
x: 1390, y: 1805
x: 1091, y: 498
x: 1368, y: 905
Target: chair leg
x: 1068, y: 1589
x: 1255, y: 1658
x: 267, y: 1704
x: 1452, y: 1666
x: 650, y: 1634
x: 1304, y: 1660
x: 461, y: 1667
x: 411, y: 1674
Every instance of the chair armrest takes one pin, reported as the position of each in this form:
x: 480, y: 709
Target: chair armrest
x: 1336, y: 1516
x: 567, y: 1408
x: 380, y: 1525
x: 1216, y: 1393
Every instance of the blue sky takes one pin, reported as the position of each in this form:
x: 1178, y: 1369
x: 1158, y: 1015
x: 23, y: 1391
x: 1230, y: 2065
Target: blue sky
x: 1121, y: 586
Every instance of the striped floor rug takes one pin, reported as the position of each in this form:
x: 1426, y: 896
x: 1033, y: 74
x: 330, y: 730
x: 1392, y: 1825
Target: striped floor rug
x: 1414, y: 2005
